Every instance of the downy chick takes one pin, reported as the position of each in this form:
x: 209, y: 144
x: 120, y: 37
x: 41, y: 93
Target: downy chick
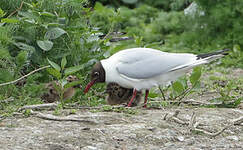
x: 52, y: 94
x: 120, y: 95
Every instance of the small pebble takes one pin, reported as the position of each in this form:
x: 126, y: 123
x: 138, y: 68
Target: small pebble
x: 180, y: 138
x: 235, y: 138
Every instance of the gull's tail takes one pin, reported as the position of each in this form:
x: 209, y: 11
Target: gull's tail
x: 203, y: 59
x: 214, y: 55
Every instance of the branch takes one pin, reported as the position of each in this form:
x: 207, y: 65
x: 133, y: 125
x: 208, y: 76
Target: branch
x: 50, y: 106
x: 163, y: 95
x: 12, y: 82
x: 55, y: 118
x: 10, y: 99
x: 194, y: 126
x: 238, y: 121
x: 18, y: 9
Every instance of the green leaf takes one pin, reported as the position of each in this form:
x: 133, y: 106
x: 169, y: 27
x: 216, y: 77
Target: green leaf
x: 130, y: 1
x: 21, y: 58
x: 183, y: 81
x: 54, y: 73
x: 24, y: 46
x: 54, y: 65
x: 53, y: 24
x: 72, y: 70
x: 63, y: 62
x: 4, y: 54
x: 48, y: 14
x: 7, y: 20
x: 54, y: 33
x: 152, y: 95
x: 2, y: 13
x: 71, y: 84
x: 63, y: 82
x: 178, y: 87
x: 45, y: 45
x: 195, y: 76
x: 5, y: 75
x: 236, y: 48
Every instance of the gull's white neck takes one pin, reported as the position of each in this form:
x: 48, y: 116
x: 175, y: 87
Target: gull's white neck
x: 110, y: 70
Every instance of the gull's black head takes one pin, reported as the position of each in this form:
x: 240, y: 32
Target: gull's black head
x: 97, y: 75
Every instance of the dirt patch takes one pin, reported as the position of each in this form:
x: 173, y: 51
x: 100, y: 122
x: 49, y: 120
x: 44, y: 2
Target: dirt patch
x: 111, y: 130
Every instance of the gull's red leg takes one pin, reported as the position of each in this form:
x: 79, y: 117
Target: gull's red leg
x: 146, y: 98
x: 133, y: 96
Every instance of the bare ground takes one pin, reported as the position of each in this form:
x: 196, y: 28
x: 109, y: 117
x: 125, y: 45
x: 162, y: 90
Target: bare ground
x: 110, y: 130
x: 147, y: 129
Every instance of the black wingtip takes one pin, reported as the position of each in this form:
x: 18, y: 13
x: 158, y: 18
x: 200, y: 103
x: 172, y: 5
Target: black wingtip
x: 222, y: 52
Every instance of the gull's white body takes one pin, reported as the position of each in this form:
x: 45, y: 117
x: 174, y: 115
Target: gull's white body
x: 144, y: 68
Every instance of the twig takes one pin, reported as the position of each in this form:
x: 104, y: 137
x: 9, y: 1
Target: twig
x: 163, y: 95
x: 175, y: 118
x: 10, y: 99
x: 117, y: 39
x: 12, y: 82
x: 183, y: 94
x: 18, y: 9
x: 192, y: 121
x: 101, y: 107
x: 2, y: 118
x: 189, y: 101
x: 194, y: 126
x: 55, y: 118
x: 238, y: 121
x: 50, y: 106
x: 165, y: 117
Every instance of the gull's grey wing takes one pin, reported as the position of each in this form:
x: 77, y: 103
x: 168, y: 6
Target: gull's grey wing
x: 145, y: 63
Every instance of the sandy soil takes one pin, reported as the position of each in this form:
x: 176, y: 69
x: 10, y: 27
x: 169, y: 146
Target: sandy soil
x: 110, y: 130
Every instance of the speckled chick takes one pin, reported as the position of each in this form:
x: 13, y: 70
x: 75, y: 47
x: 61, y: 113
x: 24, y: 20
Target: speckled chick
x: 120, y: 95
x: 52, y: 94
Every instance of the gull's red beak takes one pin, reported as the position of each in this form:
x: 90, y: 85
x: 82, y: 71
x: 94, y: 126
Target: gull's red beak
x: 91, y: 83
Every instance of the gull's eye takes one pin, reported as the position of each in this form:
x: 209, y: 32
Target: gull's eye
x: 96, y: 73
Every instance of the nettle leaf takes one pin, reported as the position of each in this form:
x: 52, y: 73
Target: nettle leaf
x: 45, y: 45
x: 5, y: 75
x: 4, y: 54
x: 48, y: 14
x: 24, y: 46
x: 178, y: 87
x: 54, y: 33
x: 72, y: 70
x: 53, y: 24
x: 63, y: 62
x: 7, y: 20
x: 21, y: 58
x: 54, y: 65
x: 54, y: 73
x: 196, y: 74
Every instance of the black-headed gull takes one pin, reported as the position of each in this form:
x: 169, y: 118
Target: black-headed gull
x: 144, y: 68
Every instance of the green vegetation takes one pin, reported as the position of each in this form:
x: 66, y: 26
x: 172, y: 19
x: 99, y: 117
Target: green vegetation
x: 76, y: 33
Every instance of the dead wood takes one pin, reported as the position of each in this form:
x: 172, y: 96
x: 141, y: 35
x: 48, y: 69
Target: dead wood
x: 57, y: 118
x: 193, y: 125
x: 48, y: 106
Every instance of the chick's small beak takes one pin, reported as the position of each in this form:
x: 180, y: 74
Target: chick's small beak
x: 91, y: 83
